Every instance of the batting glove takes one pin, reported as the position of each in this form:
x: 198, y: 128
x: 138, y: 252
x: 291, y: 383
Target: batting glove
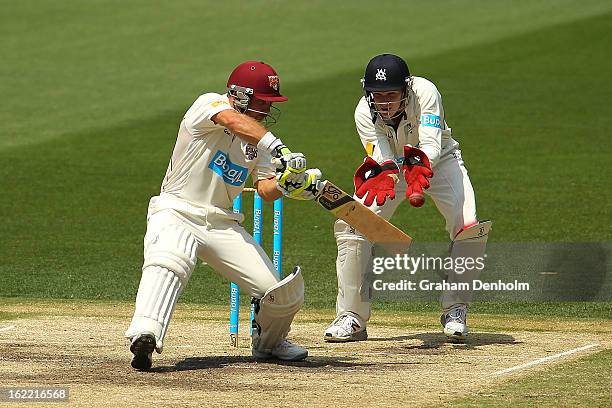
x: 305, y: 188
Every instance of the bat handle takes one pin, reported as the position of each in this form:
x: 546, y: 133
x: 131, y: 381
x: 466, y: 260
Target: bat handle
x: 318, y: 187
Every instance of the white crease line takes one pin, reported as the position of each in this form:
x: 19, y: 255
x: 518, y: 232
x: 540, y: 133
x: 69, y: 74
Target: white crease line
x: 544, y: 359
x: 7, y: 328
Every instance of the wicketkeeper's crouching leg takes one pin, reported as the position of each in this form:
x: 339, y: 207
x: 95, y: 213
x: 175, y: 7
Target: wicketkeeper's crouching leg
x: 469, y: 244
x: 273, y: 316
x: 353, y: 302
x: 169, y: 261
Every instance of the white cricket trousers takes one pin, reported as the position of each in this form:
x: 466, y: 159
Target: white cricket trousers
x: 223, y: 244
x: 176, y: 234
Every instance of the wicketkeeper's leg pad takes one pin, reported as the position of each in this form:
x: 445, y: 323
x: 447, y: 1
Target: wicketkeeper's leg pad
x: 469, y: 243
x: 352, y: 268
x: 170, y: 258
x: 275, y: 311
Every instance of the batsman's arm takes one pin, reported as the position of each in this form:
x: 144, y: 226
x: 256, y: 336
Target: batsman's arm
x: 244, y: 126
x: 267, y: 189
x: 251, y: 131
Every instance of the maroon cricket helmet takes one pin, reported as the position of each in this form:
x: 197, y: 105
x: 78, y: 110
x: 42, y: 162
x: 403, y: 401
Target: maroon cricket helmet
x: 260, y: 80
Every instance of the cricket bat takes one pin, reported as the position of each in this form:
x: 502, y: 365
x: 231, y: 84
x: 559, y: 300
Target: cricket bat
x: 375, y: 228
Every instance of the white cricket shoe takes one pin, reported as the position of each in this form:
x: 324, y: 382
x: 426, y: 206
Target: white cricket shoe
x: 345, y: 328
x: 142, y: 347
x: 454, y: 322
x: 285, y: 351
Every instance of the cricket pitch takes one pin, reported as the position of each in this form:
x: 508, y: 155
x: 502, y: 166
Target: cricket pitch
x: 80, y: 345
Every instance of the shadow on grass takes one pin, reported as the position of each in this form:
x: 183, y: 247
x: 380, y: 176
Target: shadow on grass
x: 204, y: 363
x: 437, y: 340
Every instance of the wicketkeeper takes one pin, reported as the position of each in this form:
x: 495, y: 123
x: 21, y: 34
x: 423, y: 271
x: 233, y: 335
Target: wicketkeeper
x: 410, y: 151
x: 221, y: 140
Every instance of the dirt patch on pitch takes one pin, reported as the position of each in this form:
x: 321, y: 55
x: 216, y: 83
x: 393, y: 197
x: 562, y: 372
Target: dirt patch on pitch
x: 56, y: 345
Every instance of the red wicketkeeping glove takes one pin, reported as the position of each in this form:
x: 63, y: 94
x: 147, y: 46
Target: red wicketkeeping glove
x: 417, y: 171
x: 379, y: 184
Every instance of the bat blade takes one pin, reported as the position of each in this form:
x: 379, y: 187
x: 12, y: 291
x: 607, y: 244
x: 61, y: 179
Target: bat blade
x: 374, y: 227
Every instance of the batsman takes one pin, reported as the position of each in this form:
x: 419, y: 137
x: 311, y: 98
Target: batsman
x: 221, y: 140
x: 410, y: 152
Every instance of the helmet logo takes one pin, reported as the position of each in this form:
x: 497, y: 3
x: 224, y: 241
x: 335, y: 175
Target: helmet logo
x: 381, y: 74
x: 273, y: 79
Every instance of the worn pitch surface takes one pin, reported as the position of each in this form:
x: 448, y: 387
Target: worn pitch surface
x: 406, y: 360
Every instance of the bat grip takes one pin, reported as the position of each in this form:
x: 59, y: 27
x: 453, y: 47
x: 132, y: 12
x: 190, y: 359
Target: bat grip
x: 318, y: 187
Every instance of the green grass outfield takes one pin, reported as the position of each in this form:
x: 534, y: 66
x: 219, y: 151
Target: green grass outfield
x: 92, y: 94
x: 579, y: 383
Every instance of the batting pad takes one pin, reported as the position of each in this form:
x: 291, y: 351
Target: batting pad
x: 275, y: 311
x: 169, y: 261
x: 173, y: 248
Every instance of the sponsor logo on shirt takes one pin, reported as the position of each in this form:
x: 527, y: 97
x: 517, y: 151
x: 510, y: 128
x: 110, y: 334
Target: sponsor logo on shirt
x: 369, y: 148
x: 214, y: 104
x: 250, y: 152
x: 431, y: 120
x: 232, y: 173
